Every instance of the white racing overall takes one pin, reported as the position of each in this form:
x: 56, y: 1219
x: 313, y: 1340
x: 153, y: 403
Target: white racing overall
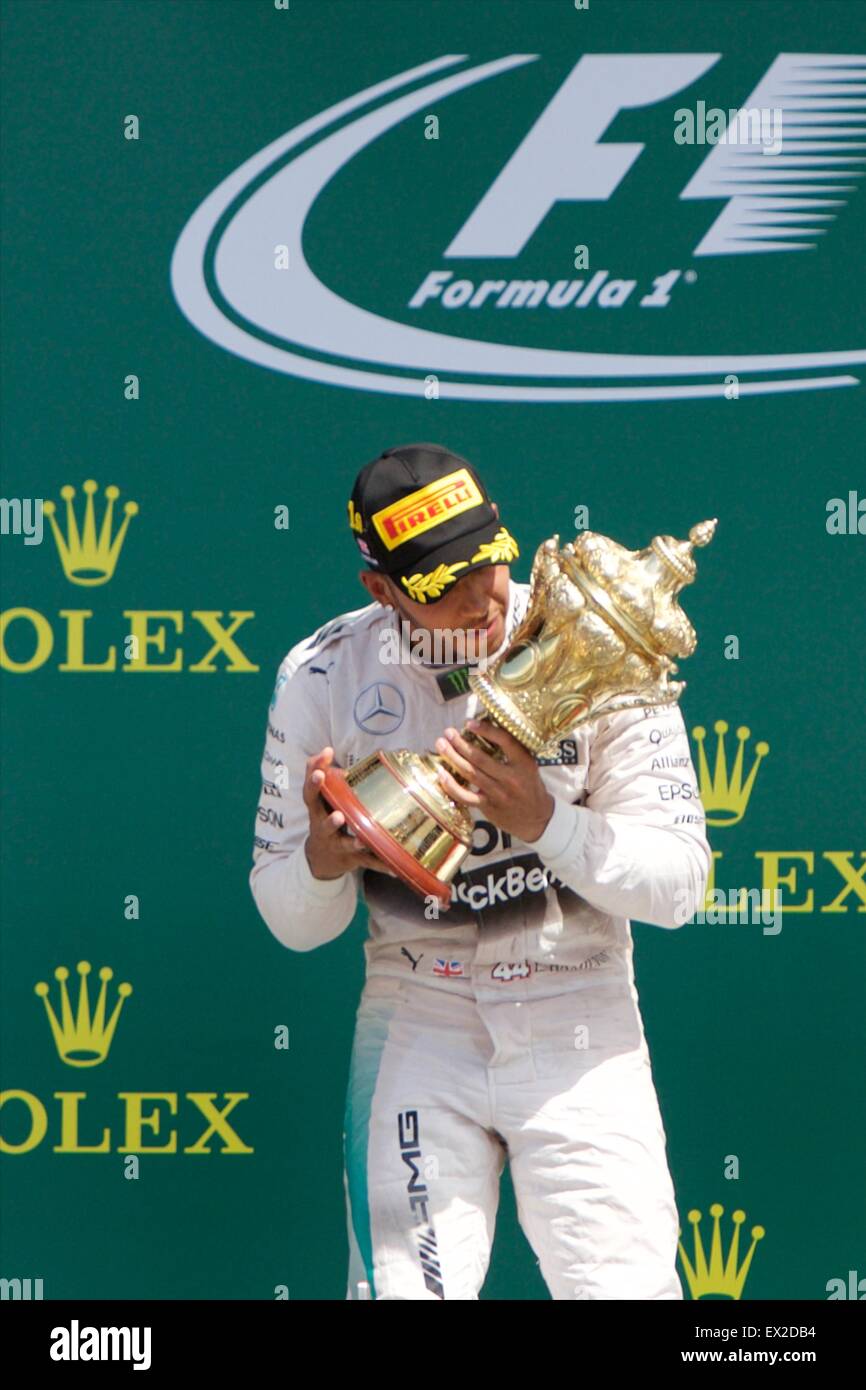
x: 509, y: 1028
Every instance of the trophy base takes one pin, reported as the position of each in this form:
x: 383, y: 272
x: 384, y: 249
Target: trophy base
x: 397, y: 807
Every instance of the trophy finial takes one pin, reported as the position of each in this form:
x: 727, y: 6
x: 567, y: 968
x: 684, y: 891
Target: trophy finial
x: 703, y: 533
x: 677, y: 555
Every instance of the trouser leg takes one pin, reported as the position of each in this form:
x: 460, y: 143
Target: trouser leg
x: 588, y: 1157
x: 422, y: 1169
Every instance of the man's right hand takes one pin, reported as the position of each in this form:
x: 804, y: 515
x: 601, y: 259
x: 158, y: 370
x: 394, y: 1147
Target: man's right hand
x: 331, y: 853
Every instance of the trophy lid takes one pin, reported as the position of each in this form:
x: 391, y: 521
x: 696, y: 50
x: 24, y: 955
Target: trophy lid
x: 638, y: 589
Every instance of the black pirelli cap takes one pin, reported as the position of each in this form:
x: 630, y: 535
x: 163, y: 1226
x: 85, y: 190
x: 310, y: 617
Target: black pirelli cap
x: 422, y: 515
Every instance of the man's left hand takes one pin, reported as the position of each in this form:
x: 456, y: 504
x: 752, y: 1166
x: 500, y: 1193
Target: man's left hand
x: 511, y: 794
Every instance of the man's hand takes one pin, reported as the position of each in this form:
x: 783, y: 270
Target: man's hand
x: 510, y: 794
x: 331, y: 853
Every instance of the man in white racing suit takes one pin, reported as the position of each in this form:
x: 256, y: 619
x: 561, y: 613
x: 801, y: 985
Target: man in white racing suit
x: 508, y: 1026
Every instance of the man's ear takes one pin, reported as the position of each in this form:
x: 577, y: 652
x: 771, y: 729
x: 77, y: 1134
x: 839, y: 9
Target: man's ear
x: 495, y: 506
x: 376, y: 586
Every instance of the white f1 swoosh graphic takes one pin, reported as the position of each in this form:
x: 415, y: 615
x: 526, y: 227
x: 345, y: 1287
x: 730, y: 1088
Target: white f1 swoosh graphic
x: 295, y: 306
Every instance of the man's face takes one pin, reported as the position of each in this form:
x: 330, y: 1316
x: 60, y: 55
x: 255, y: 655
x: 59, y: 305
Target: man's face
x: 476, y: 604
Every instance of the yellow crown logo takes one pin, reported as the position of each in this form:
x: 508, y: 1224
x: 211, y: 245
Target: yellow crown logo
x: 720, y: 1277
x: 83, y: 1041
x: 86, y: 557
x: 726, y: 797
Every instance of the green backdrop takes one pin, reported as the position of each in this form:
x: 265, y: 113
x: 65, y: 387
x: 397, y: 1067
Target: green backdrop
x: 138, y: 786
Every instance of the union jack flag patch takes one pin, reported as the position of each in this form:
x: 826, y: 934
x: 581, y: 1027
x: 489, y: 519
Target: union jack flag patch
x: 447, y: 967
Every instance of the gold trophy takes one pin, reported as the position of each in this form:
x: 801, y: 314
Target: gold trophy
x: 600, y: 634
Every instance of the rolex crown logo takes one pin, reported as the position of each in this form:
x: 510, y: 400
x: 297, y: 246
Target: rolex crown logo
x: 725, y: 796
x: 83, y: 1040
x: 720, y: 1277
x: 88, y: 558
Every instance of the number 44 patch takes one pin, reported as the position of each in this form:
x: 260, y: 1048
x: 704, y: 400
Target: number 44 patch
x: 505, y: 971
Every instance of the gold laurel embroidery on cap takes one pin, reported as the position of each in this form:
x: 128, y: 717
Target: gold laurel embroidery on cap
x: 355, y: 517
x: 420, y: 587
x: 502, y: 549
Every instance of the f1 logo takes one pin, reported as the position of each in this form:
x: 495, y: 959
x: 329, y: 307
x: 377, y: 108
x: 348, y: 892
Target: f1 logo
x: 561, y: 158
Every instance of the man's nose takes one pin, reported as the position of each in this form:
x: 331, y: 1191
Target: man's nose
x: 475, y: 591
x: 480, y: 582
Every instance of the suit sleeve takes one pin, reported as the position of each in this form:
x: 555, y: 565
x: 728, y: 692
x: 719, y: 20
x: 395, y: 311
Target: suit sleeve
x: 301, y: 911
x: 638, y: 847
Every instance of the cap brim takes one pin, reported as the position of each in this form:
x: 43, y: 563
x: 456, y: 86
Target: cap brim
x: 433, y: 577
